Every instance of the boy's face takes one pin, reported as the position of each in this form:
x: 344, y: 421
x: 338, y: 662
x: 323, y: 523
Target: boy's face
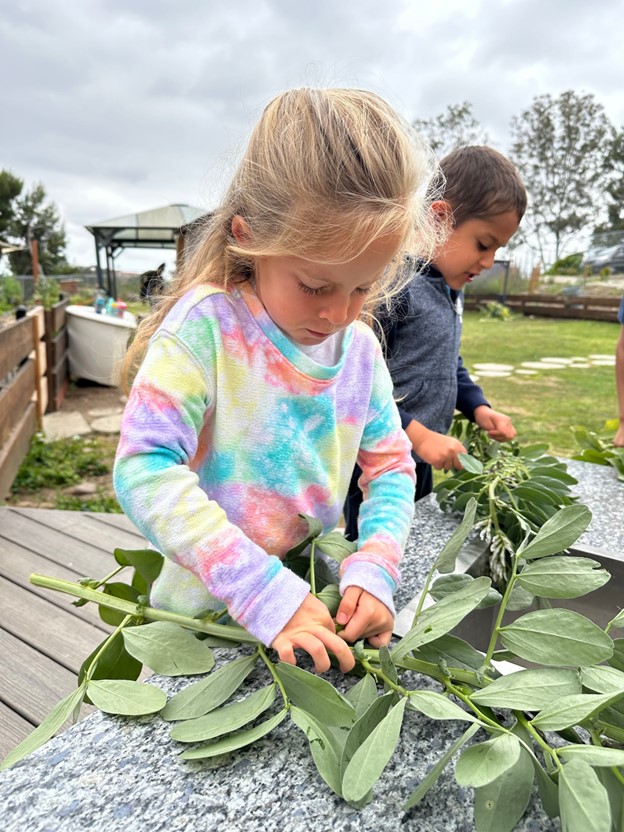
x: 471, y: 247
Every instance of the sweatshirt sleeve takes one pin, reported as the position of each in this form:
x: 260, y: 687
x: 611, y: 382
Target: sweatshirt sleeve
x: 469, y: 395
x: 169, y: 403
x: 387, y: 484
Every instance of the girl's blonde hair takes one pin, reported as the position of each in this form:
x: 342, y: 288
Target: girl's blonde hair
x: 325, y: 172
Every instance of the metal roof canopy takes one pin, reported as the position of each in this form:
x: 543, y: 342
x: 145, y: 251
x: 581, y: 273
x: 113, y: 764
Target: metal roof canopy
x: 157, y: 228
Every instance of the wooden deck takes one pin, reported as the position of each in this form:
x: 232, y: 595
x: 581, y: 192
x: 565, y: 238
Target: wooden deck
x: 43, y: 637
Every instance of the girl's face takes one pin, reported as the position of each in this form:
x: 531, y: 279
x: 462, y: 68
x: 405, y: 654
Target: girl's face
x: 471, y: 247
x: 310, y: 301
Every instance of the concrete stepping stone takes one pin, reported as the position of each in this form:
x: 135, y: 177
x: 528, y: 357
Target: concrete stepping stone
x: 494, y: 373
x: 63, y: 424
x: 557, y: 360
x: 107, y: 424
x: 522, y: 372
x: 601, y: 355
x: 103, y: 411
x: 603, y: 362
x: 541, y: 365
x: 493, y: 367
x: 580, y: 366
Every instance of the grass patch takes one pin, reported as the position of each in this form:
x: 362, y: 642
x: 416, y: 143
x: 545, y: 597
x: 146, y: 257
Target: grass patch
x: 60, y: 463
x: 544, y: 407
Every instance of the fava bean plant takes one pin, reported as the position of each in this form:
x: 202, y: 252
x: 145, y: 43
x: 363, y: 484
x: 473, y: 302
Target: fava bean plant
x: 516, y: 489
x: 599, y: 449
x: 558, y: 723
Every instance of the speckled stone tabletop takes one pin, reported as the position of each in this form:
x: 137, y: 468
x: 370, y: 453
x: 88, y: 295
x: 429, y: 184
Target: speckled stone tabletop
x: 111, y: 773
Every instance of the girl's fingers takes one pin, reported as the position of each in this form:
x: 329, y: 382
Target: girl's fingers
x: 348, y: 605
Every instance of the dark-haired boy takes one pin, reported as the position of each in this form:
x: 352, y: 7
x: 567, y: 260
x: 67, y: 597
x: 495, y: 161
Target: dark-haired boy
x: 484, y: 201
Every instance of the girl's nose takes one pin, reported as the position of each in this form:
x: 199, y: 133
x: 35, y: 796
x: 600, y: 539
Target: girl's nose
x: 335, y: 310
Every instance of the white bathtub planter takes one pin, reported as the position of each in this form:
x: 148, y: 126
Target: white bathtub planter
x: 97, y: 343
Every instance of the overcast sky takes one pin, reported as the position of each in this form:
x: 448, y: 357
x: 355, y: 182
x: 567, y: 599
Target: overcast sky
x: 118, y: 107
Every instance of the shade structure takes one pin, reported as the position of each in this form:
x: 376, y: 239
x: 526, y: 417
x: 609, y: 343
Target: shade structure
x: 155, y: 228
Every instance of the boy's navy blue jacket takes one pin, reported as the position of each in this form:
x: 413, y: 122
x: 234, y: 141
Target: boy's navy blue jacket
x: 421, y: 338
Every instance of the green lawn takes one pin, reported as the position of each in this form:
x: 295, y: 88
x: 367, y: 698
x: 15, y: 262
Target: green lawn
x: 544, y: 406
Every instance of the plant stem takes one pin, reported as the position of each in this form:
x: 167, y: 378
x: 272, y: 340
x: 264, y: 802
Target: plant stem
x: 108, y: 577
x: 276, y: 678
x: 378, y: 673
x: 225, y: 631
x: 538, y: 738
x: 501, y: 612
x: 312, y: 569
x: 96, y: 658
x: 457, y: 674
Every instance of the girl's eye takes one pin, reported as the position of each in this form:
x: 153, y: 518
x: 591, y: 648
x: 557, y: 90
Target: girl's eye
x: 482, y: 247
x: 309, y: 290
x: 363, y: 290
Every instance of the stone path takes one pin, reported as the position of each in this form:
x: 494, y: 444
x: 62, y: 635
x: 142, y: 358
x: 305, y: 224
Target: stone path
x: 64, y: 424
x: 547, y: 364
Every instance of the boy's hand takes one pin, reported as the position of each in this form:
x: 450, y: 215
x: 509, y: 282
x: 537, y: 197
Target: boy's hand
x: 363, y: 616
x: 440, y: 451
x: 497, y: 425
x: 312, y: 629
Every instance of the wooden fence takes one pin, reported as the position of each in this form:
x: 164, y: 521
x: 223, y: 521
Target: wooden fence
x: 553, y: 306
x: 33, y: 381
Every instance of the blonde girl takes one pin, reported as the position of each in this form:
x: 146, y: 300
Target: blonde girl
x: 256, y: 386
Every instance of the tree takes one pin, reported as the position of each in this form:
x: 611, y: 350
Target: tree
x: 614, y: 192
x: 560, y: 146
x: 457, y: 127
x: 30, y: 216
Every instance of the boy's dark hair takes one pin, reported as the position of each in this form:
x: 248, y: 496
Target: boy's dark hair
x: 480, y: 183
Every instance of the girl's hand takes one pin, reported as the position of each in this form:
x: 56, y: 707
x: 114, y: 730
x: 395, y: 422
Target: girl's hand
x: 312, y: 629
x: 364, y: 617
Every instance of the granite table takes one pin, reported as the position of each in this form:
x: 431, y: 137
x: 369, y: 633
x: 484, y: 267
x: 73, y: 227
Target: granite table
x: 111, y: 773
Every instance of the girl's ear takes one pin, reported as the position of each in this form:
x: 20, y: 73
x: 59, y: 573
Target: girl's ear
x: 442, y: 211
x: 241, y: 231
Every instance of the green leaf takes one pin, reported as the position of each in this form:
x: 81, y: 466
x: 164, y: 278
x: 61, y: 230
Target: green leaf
x: 114, y: 663
x: 563, y: 577
x: 335, y: 545
x: 201, y: 697
x: 53, y: 722
x: 120, y: 696
x: 146, y: 562
x: 593, y: 755
x: 439, y: 619
x: 117, y: 590
x: 330, y: 596
x: 387, y: 665
x: 616, y: 796
x: 362, y: 695
x: 445, y: 562
x: 572, y: 710
x: 448, y: 584
x: 617, y: 659
x: 363, y: 727
x: 602, y: 679
x: 369, y: 761
x: 168, y: 649
x: 470, y: 464
x: 324, y: 747
x: 559, y: 532
x: 618, y: 621
x: 499, y: 806
x: 482, y: 763
x: 529, y: 690
x: 583, y: 800
x: 519, y: 599
x: 433, y: 776
x: 226, y: 719
x: 315, y: 695
x: 453, y: 651
x: 436, y: 706
x: 557, y: 637
x: 548, y: 790
x: 235, y: 741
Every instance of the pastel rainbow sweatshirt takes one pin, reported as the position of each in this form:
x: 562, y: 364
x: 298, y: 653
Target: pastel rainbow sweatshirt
x: 230, y: 431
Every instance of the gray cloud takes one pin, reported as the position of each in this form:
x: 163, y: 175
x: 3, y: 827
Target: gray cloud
x: 117, y: 107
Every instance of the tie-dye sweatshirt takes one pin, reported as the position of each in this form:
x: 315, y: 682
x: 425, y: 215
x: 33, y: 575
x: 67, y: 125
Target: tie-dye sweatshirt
x: 230, y: 431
